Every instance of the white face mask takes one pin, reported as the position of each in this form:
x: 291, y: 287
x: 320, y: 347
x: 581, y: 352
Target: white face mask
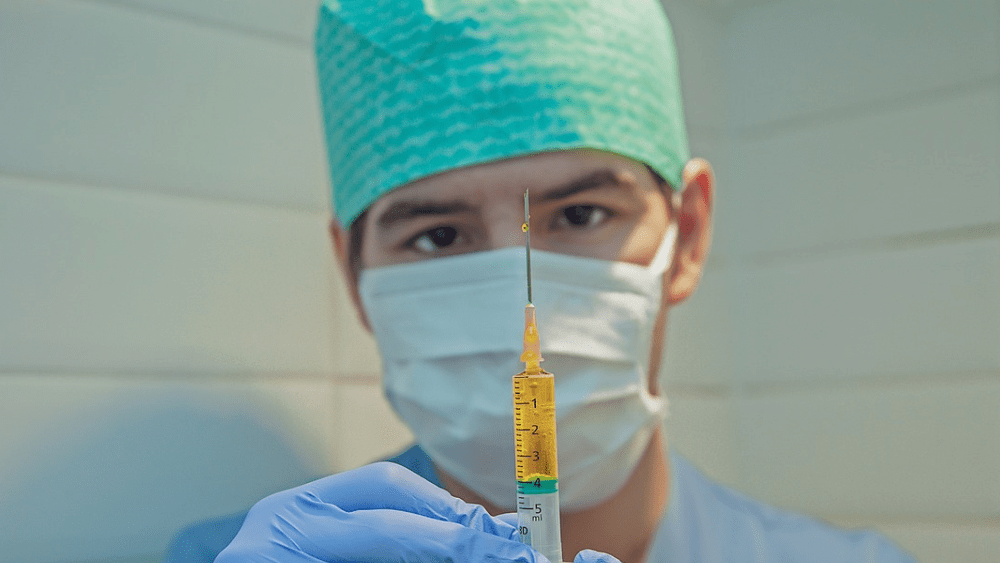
x: 449, y: 331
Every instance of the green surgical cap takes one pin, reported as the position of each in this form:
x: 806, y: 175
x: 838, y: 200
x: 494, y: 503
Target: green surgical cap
x: 410, y: 88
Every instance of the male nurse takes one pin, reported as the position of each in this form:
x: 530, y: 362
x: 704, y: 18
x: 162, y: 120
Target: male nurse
x: 439, y: 115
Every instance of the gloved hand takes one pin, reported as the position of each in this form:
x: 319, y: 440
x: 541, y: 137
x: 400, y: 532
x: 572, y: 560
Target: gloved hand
x: 380, y: 512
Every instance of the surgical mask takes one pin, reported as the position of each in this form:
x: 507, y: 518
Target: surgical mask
x: 449, y: 332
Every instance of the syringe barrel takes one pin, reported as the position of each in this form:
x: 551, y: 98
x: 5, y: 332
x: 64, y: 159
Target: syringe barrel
x: 537, y: 465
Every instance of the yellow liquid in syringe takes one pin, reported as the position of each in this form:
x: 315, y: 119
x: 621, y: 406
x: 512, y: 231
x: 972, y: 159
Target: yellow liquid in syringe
x: 535, y: 427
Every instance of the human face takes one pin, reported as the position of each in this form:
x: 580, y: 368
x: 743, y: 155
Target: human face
x: 583, y: 203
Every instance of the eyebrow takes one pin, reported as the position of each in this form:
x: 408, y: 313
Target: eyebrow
x: 595, y: 180
x: 406, y: 210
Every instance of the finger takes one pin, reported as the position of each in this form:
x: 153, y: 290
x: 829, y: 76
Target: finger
x: 391, y: 486
x: 509, y: 518
x: 319, y: 531
x: 591, y: 556
x: 422, y: 539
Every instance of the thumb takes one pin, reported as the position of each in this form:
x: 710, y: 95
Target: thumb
x: 591, y: 556
x: 510, y: 518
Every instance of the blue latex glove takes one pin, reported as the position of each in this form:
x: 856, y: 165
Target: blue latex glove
x: 380, y: 512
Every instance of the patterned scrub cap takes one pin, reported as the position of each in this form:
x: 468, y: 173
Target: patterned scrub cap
x: 410, y: 88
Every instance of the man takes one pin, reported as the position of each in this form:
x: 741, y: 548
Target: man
x: 439, y: 116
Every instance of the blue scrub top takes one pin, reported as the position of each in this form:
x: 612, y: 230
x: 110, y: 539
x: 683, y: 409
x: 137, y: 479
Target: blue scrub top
x: 705, y: 523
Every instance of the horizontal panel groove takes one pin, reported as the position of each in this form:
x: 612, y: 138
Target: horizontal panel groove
x: 78, y: 185
x: 781, y: 126
x: 189, y: 19
x: 882, y: 244
x: 985, y: 523
x: 696, y: 129
x: 696, y: 390
x: 350, y: 378
x: 358, y: 378
x: 132, y: 558
x: 207, y: 376
x: 865, y: 381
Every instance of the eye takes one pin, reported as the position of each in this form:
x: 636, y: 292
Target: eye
x: 435, y: 239
x: 578, y: 216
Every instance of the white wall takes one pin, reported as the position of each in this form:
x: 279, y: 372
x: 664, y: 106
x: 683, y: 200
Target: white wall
x: 857, y: 266
x: 175, y: 342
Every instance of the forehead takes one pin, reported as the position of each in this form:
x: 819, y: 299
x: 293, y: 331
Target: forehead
x: 483, y: 184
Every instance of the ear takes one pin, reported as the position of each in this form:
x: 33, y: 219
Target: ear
x: 694, y: 230
x: 341, y: 249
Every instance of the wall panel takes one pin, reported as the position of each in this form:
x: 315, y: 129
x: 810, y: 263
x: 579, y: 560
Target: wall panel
x: 94, y: 467
x: 797, y: 58
x: 926, y: 449
x: 109, y: 96
x: 916, y: 168
x: 368, y: 428
x: 928, y: 310
x: 278, y: 19
x: 699, y: 341
x: 354, y: 350
x: 700, y: 427
x: 109, y: 280
x: 701, y: 53
x: 970, y: 541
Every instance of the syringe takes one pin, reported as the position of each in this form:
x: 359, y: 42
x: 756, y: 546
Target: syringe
x: 535, y: 437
